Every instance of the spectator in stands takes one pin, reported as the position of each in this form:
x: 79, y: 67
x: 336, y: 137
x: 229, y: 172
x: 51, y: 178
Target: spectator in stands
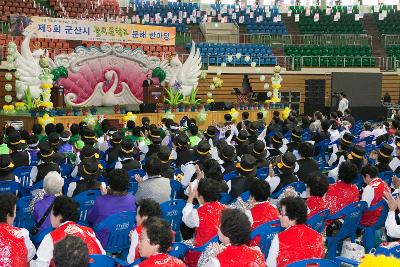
x: 228, y: 154
x: 275, y: 145
x: 276, y: 124
x: 113, y: 152
x: 87, y: 152
x: 206, y: 218
x: 88, y: 136
x: 71, y: 252
x: 392, y: 228
x: 126, y: 158
x: 317, y: 186
x: 261, y: 120
x: 7, y: 168
x: 33, y: 148
x: 16, y: 247
x: 89, y: 170
x: 234, y: 233
x: 52, y: 187
x: 372, y: 194
x: 386, y: 98
x: 37, y: 130
x: 315, y: 126
x: 367, y: 127
x: 343, y: 192
x: 155, y: 241
x: 54, y: 140
x: 245, y: 121
x: 46, y: 164
x: 295, y: 139
x: 242, y: 143
x: 384, y: 158
x: 74, y: 129
x: 343, y: 102
x: 65, y: 146
x: 261, y: 211
x: 246, y: 170
x: 285, y: 248
x: 348, y: 117
x: 194, y: 138
x: 285, y: 176
x: 345, y: 144
x: 184, y: 153
x: 147, y: 208
x: 306, y: 164
x: 155, y: 186
x: 64, y: 214
x: 18, y: 156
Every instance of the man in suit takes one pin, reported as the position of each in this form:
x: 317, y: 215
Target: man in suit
x: 148, y: 81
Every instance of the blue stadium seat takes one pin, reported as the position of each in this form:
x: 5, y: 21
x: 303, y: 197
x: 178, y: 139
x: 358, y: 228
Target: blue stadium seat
x: 86, y: 201
x: 172, y: 212
x: 318, y: 221
x: 266, y: 232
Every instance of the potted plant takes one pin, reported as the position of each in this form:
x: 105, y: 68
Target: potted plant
x: 75, y: 111
x: 85, y: 111
x: 68, y: 111
x: 192, y: 100
x: 41, y: 111
x: 33, y: 112
x: 173, y: 97
x: 93, y: 110
x: 124, y: 109
x: 117, y: 109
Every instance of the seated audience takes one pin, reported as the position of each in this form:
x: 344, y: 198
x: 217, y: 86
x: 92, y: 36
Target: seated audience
x: 71, y: 252
x: 146, y: 208
x: 234, y: 233
x: 6, y: 169
x: 37, y: 130
x: 228, y: 155
x: 242, y: 143
x: 18, y: 156
x: 275, y: 146
x: 384, y: 158
x: 295, y: 139
x: 65, y: 146
x: 16, y: 247
x: 244, y: 123
x: 285, y: 175
x: 154, y: 186
x: 367, y: 127
x: 285, y: 247
x: 113, y: 152
x: 164, y: 154
x: 74, y: 129
x: 126, y: 159
x: 64, y: 214
x: 258, y: 151
x: 46, y: 164
x: 246, y: 176
x: 205, y: 218
x: 315, y: 126
x: 345, y: 144
x: 317, y: 186
x: 194, y: 137
x: 154, y: 242
x: 33, y: 149
x: 184, y: 153
x: 372, y: 194
x: 392, y: 228
x: 306, y: 164
x: 87, y: 152
x: 343, y: 192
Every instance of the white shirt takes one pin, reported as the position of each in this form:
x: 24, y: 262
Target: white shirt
x: 393, y: 230
x: 190, y: 216
x: 132, y: 248
x: 45, y: 251
x: 28, y: 243
x: 368, y: 195
x: 72, y: 187
x: 273, y: 181
x: 343, y: 105
x: 273, y: 252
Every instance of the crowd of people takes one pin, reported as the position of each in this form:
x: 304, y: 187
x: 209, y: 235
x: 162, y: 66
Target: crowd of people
x: 227, y: 158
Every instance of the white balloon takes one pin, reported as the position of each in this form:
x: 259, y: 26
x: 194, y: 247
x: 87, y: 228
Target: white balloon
x: 8, y: 98
x: 269, y: 93
x: 8, y: 87
x: 17, y: 74
x: 215, y: 79
x: 258, y: 70
x: 212, y: 86
x: 238, y: 55
x: 262, y: 78
x: 8, y: 76
x: 230, y: 58
x: 219, y: 72
x: 247, y: 58
x: 223, y: 64
x: 209, y: 95
x: 266, y: 86
x: 253, y: 64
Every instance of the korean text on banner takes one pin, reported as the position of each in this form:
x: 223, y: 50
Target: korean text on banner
x: 98, y: 31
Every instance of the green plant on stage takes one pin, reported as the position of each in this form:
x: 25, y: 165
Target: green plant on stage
x: 173, y: 97
x: 29, y: 104
x: 191, y: 99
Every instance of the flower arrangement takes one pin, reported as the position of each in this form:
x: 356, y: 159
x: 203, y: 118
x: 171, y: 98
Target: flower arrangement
x: 8, y: 109
x: 192, y: 98
x: 173, y: 96
x: 19, y: 105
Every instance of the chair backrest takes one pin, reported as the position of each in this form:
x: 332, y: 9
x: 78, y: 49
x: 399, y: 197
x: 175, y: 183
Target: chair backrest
x: 24, y: 217
x: 318, y: 221
x: 176, y: 187
x: 230, y: 175
x: 266, y: 232
x: 384, y: 213
x: 314, y: 263
x: 24, y: 175
x: 86, y: 201
x: 245, y: 196
x: 262, y: 173
x: 225, y: 198
x: 141, y: 173
x: 103, y: 163
x: 101, y: 261
x: 322, y: 147
x: 66, y: 170
x: 352, y: 216
x: 37, y: 239
x: 389, y: 249
x: 178, y: 250
x: 133, y: 184
x: 387, y: 176
x: 10, y: 187
x: 118, y: 227
x: 172, y: 212
x: 299, y: 187
x: 215, y: 239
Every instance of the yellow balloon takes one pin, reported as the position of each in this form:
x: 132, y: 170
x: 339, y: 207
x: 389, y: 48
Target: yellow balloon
x: 285, y: 113
x: 234, y: 113
x: 46, y: 119
x: 129, y: 117
x: 275, y: 86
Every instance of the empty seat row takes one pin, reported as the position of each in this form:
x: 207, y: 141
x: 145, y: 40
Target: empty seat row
x: 312, y: 50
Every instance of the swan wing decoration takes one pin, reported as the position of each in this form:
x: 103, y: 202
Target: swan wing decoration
x: 190, y: 71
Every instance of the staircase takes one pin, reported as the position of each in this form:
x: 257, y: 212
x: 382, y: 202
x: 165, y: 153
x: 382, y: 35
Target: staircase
x: 290, y: 25
x: 378, y: 48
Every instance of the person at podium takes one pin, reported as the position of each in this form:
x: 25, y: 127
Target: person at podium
x: 148, y: 81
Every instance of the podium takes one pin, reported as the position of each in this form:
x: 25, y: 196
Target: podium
x: 153, y: 94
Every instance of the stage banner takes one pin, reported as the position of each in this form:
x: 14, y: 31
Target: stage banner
x: 99, y: 31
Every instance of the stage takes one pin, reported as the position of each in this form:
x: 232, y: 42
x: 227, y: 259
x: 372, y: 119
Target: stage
x: 155, y: 118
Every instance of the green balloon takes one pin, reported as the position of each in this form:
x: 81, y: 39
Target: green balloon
x: 160, y: 73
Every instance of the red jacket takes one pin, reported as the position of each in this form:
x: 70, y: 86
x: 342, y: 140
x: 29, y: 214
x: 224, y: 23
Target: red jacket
x: 370, y: 217
x: 299, y: 242
x: 13, y: 251
x: 162, y: 259
x: 315, y: 205
x: 263, y: 212
x: 340, y: 195
x: 244, y: 256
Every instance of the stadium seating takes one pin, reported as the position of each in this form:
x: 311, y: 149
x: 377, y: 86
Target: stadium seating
x: 89, y: 9
x: 388, y: 25
x: 215, y: 54
x: 393, y: 51
x: 27, y: 7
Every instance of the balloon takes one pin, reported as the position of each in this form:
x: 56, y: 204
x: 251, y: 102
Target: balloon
x: 266, y: 86
x: 201, y: 116
x: 46, y: 119
x: 212, y: 86
x: 10, y: 66
x: 10, y: 59
x: 129, y: 117
x: 168, y: 115
x: 269, y: 93
x: 8, y: 87
x: 247, y: 58
x: 160, y: 73
x: 258, y: 70
x: 230, y: 58
x: 17, y: 74
x: 234, y: 113
x: 253, y: 64
x: 219, y: 72
x: 238, y: 55
x: 91, y: 121
x: 8, y: 76
x: 262, y: 78
x: 215, y: 79
x: 209, y: 95
x: 8, y: 98
x: 285, y: 113
x: 223, y: 64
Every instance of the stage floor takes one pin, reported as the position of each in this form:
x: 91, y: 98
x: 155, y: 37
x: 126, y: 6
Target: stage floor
x: 155, y: 118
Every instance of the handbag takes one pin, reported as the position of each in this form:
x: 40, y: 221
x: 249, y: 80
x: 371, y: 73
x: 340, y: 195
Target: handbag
x: 352, y: 251
x: 41, y: 221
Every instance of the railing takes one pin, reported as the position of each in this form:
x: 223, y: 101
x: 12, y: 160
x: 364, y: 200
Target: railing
x: 392, y: 39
